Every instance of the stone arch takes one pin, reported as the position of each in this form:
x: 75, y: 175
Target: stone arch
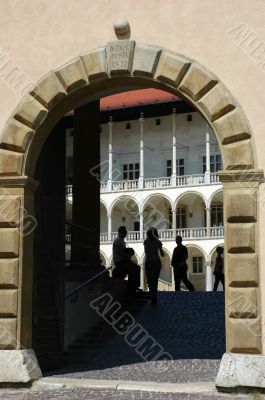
x: 103, y: 256
x: 104, y: 204
x: 214, y: 248
x: 147, y: 199
x: 93, y: 73
x: 209, y: 202
x: 121, y: 198
x: 195, y: 246
x: 186, y: 193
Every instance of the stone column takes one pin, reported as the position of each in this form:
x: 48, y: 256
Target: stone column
x: 110, y: 124
x: 18, y: 362
x: 172, y: 279
x: 242, y: 285
x: 208, y: 276
x: 208, y: 159
x: 142, y: 277
x: 174, y: 223
x: 174, y: 150
x: 109, y: 227
x: 141, y: 177
x: 208, y: 220
x: 141, y: 214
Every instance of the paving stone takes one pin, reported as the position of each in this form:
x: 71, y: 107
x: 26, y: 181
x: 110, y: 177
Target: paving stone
x: 188, y: 325
x: 77, y: 394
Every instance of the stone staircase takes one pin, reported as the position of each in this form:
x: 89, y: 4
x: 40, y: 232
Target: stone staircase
x: 92, y: 342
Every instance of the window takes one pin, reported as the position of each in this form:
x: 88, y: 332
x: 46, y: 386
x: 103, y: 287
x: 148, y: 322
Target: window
x: 197, y: 265
x: 158, y: 121
x: 217, y: 214
x: 169, y: 167
x: 128, y: 125
x: 179, y: 167
x: 136, y: 226
x: 130, y: 171
x: 215, y: 163
x: 181, y: 215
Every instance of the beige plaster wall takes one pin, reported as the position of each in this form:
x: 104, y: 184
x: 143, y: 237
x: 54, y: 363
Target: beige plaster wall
x: 40, y: 35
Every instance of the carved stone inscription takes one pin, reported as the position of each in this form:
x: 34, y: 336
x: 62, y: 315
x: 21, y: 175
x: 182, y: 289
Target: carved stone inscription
x: 119, y: 56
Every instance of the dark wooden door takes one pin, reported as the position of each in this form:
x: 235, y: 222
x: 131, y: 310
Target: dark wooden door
x: 49, y: 253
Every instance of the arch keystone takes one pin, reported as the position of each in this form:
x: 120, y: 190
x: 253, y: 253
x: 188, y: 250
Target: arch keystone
x: 72, y: 75
x: 171, y: 68
x: 120, y: 57
x: 49, y: 91
x: 232, y: 127
x: 216, y: 102
x: 16, y: 136
x: 95, y: 63
x: 197, y: 82
x: 145, y: 60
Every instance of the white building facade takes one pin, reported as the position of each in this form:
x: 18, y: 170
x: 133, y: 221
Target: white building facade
x: 161, y: 171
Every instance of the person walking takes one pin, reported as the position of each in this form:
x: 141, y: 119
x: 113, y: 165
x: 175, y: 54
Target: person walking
x: 153, y: 250
x: 123, y: 264
x: 179, y: 264
x: 219, y: 269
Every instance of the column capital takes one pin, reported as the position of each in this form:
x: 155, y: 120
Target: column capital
x: 26, y: 182
x: 174, y: 111
x: 253, y: 176
x: 141, y: 119
x: 173, y: 210
x: 110, y: 121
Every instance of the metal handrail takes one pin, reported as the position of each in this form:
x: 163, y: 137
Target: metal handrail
x: 86, y: 283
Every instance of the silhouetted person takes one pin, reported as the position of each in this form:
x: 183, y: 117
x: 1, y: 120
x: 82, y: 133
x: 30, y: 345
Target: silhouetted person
x: 179, y: 264
x: 219, y: 269
x: 122, y: 260
x: 153, y: 248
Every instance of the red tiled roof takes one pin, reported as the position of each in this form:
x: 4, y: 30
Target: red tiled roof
x: 135, y: 98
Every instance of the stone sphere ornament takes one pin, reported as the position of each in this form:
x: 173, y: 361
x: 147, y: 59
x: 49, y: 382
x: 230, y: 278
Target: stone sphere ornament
x: 121, y: 27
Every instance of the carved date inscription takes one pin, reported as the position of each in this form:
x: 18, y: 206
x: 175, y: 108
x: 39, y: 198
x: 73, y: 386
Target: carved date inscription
x: 120, y: 55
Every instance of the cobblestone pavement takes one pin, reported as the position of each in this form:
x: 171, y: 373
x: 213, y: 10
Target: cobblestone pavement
x: 106, y: 394
x: 188, y: 325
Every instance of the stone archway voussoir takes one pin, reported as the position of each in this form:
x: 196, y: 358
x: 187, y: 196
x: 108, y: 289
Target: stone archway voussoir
x: 217, y: 102
x: 171, y: 68
x: 197, y: 82
x: 95, y: 64
x: 30, y: 112
x: 145, y: 60
x: 49, y: 91
x: 11, y: 163
x: 232, y: 127
x: 238, y: 155
x: 72, y: 75
x: 16, y: 136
